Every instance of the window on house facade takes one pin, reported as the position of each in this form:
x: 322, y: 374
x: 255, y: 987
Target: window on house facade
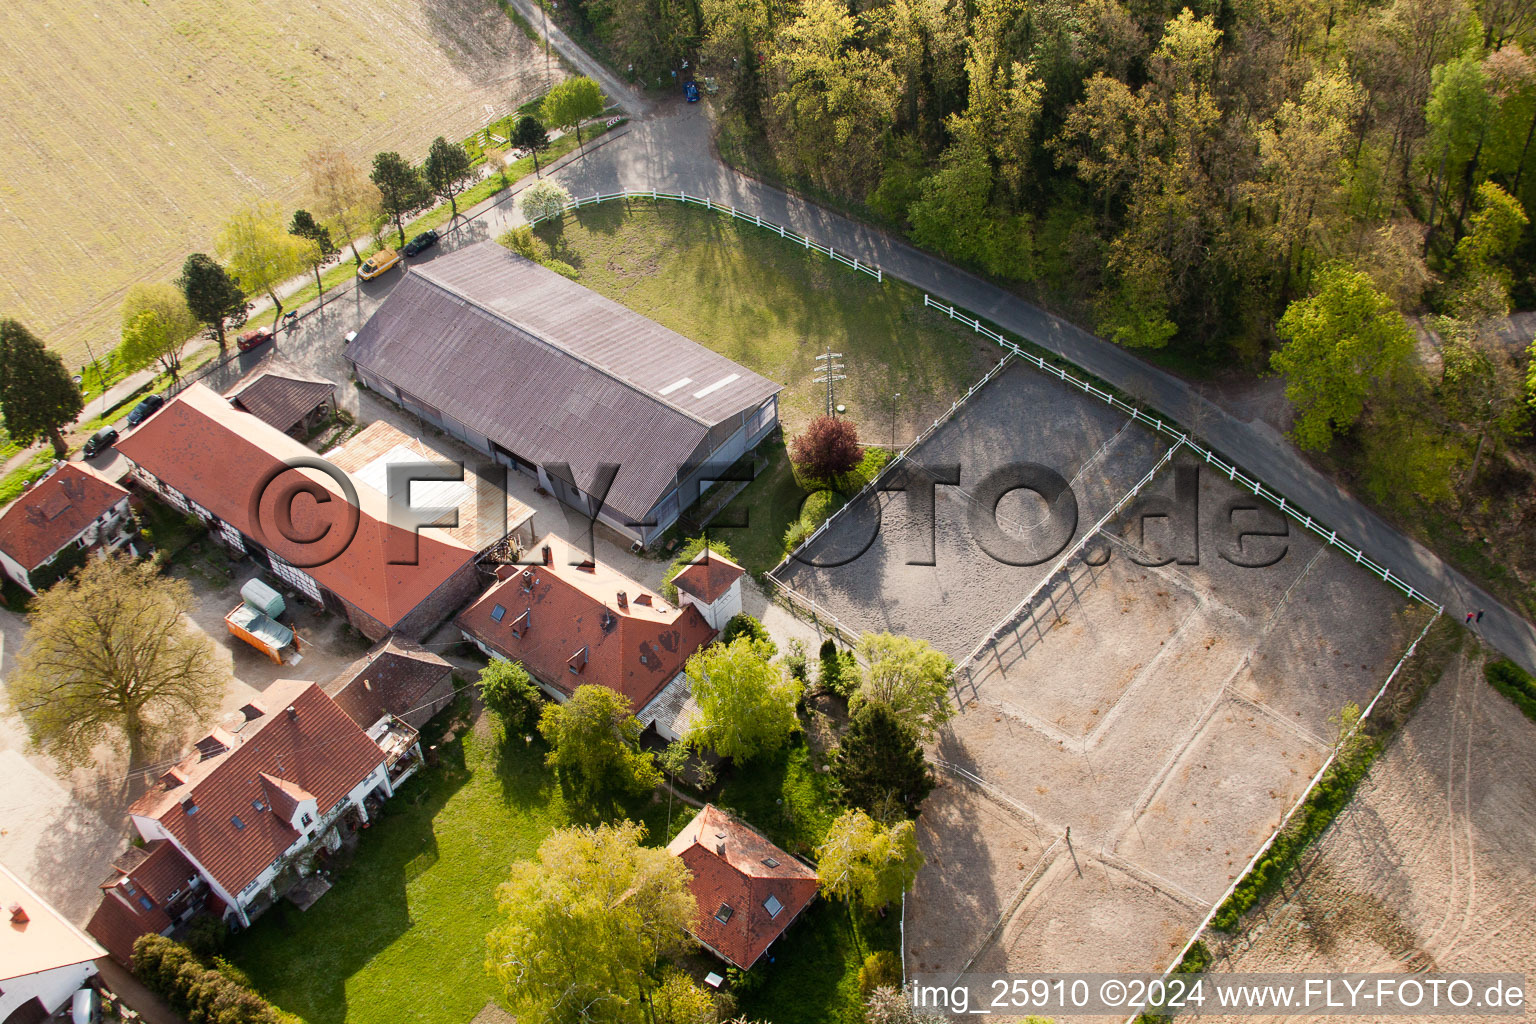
x: 305, y: 819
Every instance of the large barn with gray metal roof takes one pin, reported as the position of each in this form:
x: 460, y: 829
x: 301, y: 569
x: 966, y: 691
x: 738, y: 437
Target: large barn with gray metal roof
x: 553, y: 379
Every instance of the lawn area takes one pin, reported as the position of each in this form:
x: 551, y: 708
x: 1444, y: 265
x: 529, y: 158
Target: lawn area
x: 401, y: 936
x: 774, y: 307
x: 766, y: 507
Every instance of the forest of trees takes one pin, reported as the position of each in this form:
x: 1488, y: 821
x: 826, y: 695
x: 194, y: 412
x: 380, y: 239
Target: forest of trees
x: 1218, y: 182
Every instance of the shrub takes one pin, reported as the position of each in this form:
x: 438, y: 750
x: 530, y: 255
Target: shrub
x: 201, y: 994
x: 509, y: 694
x: 818, y: 508
x: 794, y: 660
x: 827, y: 448
x: 880, y: 969
x: 798, y: 531
x: 543, y: 200
x: 839, y: 669
x: 1515, y: 683
x: 749, y: 627
x: 206, y: 935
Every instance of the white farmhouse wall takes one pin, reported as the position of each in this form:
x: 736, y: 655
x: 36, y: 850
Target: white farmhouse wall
x: 53, y: 987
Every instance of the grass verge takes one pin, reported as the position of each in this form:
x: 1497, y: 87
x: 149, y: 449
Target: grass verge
x: 20, y: 478
x: 1334, y: 790
x: 1515, y: 683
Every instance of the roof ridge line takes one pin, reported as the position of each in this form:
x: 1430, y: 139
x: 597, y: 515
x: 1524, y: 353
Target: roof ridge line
x: 537, y: 336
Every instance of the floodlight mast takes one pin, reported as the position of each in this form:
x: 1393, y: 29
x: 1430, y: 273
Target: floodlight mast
x: 831, y: 371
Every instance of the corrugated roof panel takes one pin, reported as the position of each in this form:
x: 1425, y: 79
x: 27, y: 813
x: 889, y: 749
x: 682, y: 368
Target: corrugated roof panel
x: 550, y: 370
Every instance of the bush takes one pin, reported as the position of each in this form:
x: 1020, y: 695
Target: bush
x: 818, y: 508
x: 749, y: 627
x: 206, y: 935
x: 839, y: 669
x: 691, y: 549
x: 1515, y: 683
x: 798, y: 531
x: 880, y: 969
x: 794, y: 660
x: 507, y: 692
x: 204, y: 995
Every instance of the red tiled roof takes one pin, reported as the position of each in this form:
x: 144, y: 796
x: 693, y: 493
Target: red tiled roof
x: 217, y: 455
x: 708, y: 576
x: 54, y: 512
x: 116, y: 924
x: 278, y: 760
x: 736, y: 867
x: 643, y: 648
x: 156, y: 870
x: 394, y: 678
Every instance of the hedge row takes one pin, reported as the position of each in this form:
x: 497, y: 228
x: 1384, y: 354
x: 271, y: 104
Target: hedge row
x: 1197, y: 959
x: 202, y: 994
x: 1331, y: 794
x: 1515, y: 683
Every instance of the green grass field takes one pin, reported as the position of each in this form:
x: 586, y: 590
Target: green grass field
x: 773, y: 307
x: 401, y: 936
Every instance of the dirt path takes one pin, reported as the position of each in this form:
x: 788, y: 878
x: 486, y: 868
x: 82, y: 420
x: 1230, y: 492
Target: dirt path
x: 1430, y: 866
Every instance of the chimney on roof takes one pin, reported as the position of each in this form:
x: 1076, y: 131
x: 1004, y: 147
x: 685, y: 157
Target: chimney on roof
x: 549, y: 555
x: 623, y: 601
x: 528, y: 579
x: 720, y: 847
x: 19, y: 914
x: 293, y: 713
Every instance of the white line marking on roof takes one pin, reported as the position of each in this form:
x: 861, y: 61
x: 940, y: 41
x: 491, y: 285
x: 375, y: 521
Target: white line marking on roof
x: 675, y: 385
x: 717, y: 385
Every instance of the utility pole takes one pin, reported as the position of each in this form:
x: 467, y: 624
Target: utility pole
x: 894, y: 399
x: 544, y: 9
x: 831, y: 371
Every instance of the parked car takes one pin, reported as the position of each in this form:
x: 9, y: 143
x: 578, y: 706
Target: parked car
x: 421, y: 243
x: 100, y: 441
x: 144, y: 409
x: 376, y: 264
x: 691, y: 90
x: 253, y: 339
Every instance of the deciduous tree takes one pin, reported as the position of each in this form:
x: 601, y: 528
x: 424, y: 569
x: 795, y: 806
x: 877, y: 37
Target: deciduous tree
x: 543, y: 200
x: 212, y: 295
x: 529, y: 134
x: 447, y: 171
x: 1340, y: 342
x: 867, y: 864
x: 320, y: 249
x: 156, y: 326
x: 594, y: 741
x: 111, y: 652
x: 908, y: 676
x: 401, y: 188
x: 260, y: 252
x: 571, y: 103
x: 342, y: 194
x: 827, y: 448
x: 510, y: 694
x: 584, y: 925
x: 879, y: 765
x: 746, y: 702
x: 37, y: 396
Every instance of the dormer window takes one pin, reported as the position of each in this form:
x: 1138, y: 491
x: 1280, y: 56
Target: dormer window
x: 577, y: 662
x: 521, y: 624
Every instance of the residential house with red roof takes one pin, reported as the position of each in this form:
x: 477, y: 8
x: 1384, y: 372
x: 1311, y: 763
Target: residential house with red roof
x: 748, y: 890
x: 320, y: 532
x: 250, y: 806
x: 574, y: 624
x: 150, y: 890
x: 73, y: 508
x: 712, y: 584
